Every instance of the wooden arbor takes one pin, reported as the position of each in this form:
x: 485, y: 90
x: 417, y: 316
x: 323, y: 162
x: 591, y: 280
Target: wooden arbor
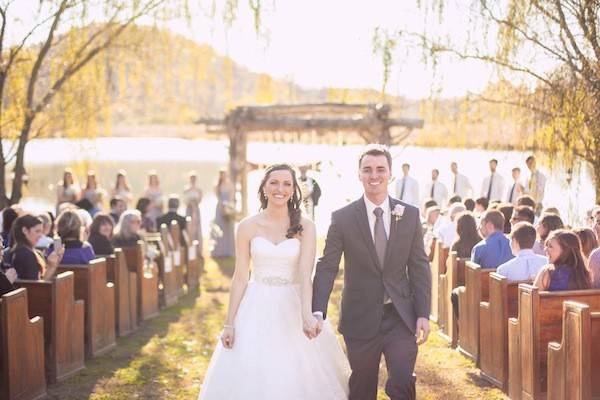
x: 372, y: 122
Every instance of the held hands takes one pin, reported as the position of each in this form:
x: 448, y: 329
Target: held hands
x: 422, y: 330
x: 228, y: 336
x: 309, y: 326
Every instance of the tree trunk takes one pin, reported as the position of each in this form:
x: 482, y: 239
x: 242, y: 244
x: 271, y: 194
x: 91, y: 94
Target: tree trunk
x: 596, y: 181
x: 17, y: 187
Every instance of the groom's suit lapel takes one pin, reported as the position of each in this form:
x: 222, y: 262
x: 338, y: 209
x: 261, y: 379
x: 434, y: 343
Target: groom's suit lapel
x: 360, y: 212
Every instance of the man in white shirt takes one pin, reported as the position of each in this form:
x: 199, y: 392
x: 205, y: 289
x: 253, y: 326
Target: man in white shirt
x: 407, y: 187
x: 526, y: 264
x: 447, y: 232
x: 492, y: 187
x: 461, y: 186
x: 516, y: 189
x: 436, y: 189
x: 536, y: 183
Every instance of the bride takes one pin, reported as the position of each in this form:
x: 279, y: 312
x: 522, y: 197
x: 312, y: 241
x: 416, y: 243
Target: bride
x: 263, y: 353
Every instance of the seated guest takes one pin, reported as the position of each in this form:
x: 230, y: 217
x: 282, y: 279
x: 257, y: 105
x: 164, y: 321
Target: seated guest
x: 596, y: 221
x: 117, y: 207
x: 522, y: 214
x: 594, y: 267
x: 507, y: 211
x: 526, y: 200
x: 7, y: 278
x: 433, y: 222
x: 143, y: 206
x: 481, y: 205
x: 546, y: 224
x: 86, y: 223
x: 494, y: 249
x: 447, y: 232
x: 526, y: 264
x: 588, y: 240
x: 101, y: 233
x: 22, y: 256
x: 70, y: 229
x: 454, y: 199
x: 551, y: 210
x: 567, y: 269
x: 127, y: 230
x: 466, y: 235
x: 173, y: 204
x: 46, y: 239
x: 9, y: 215
x: 469, y: 203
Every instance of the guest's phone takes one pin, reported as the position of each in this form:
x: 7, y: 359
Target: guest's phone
x: 57, y: 243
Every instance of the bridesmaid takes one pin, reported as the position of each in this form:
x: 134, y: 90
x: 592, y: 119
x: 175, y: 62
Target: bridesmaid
x: 224, y: 245
x: 67, y: 191
x: 192, y: 196
x: 93, y: 193
x: 155, y: 195
x: 122, y: 188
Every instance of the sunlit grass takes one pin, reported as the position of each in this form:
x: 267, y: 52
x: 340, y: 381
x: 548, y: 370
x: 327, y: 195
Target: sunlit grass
x: 168, y: 356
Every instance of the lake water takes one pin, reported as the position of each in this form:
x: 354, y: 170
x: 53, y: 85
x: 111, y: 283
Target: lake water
x: 174, y: 158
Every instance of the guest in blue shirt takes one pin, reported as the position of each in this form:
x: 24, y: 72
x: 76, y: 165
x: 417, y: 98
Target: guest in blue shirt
x: 494, y: 249
x: 69, y: 228
x: 567, y: 269
x: 526, y: 264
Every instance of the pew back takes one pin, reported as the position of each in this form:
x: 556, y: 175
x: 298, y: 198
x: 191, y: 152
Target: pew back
x: 438, y: 266
x: 118, y: 273
x: 147, y: 281
x: 453, y: 278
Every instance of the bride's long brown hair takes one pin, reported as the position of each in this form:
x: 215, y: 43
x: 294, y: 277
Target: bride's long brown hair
x: 294, y: 202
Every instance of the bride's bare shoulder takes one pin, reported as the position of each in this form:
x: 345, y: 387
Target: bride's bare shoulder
x: 251, y: 224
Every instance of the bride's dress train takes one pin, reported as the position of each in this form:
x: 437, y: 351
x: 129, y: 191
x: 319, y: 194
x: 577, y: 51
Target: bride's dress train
x: 271, y: 358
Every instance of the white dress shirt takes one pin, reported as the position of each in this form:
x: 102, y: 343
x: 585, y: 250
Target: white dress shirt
x: 497, y: 187
x: 411, y: 190
x: 440, y: 193
x: 538, y: 187
x: 463, y: 186
x: 387, y: 215
x: 447, y: 233
x: 513, y: 192
x: 525, y: 266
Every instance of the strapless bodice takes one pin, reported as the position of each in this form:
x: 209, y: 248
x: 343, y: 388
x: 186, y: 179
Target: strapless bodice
x: 274, y: 264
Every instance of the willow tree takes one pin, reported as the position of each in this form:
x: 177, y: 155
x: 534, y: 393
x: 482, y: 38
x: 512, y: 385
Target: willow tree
x: 40, y: 59
x: 552, y: 46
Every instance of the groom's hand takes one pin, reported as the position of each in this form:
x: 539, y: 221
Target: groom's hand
x: 319, y: 318
x: 309, y: 327
x: 422, y: 330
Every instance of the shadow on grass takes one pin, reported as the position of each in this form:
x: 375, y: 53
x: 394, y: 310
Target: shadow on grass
x: 128, y: 350
x: 226, y: 265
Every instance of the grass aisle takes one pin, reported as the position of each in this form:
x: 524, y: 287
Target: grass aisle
x: 167, y: 357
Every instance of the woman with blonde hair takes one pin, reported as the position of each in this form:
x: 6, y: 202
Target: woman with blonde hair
x: 67, y: 191
x: 155, y: 195
x: 122, y: 189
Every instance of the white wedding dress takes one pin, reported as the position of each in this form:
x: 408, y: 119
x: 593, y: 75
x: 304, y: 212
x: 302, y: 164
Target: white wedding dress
x: 271, y: 358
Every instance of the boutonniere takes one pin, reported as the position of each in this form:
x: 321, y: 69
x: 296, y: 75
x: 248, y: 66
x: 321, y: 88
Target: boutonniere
x: 398, y: 212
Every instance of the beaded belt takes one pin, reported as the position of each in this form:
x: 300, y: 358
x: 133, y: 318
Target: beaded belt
x: 275, y: 281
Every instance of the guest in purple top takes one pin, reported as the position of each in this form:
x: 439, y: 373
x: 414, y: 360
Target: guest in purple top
x: 69, y: 228
x: 567, y: 269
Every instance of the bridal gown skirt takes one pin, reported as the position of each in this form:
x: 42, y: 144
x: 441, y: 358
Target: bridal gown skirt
x: 271, y: 358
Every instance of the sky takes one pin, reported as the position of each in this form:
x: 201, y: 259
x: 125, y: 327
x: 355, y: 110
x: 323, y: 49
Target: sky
x: 324, y: 43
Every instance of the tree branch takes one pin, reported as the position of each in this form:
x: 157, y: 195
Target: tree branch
x: 565, y: 28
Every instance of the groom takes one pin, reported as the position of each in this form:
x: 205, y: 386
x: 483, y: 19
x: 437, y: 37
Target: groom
x: 386, y: 297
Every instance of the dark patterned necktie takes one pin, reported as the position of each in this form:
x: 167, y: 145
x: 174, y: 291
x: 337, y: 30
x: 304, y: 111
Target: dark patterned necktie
x: 380, y: 236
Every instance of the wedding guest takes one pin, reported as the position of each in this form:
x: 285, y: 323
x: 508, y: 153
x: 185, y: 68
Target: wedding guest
x: 516, y: 189
x: 492, y: 187
x: 551, y: 210
x: 172, y: 215
x: 117, y: 207
x: 143, y: 206
x: 24, y: 258
x: 526, y: 264
x: 546, y: 224
x: 536, y: 183
x: 436, y: 189
x: 9, y: 215
x: 567, y: 269
x: 311, y: 191
x: 7, y: 278
x: 86, y: 223
x: 461, y: 185
x: 447, y: 233
x: 224, y: 245
x: 522, y: 214
x: 101, y: 233
x: 155, y: 195
x: 122, y: 189
x: 526, y: 200
x: 67, y: 191
x: 93, y: 193
x: 407, y: 187
x: 192, y: 195
x: 494, y: 249
x: 46, y: 239
x: 594, y: 267
x: 481, y: 205
x: 506, y: 210
x: 454, y: 199
x: 70, y: 229
x: 469, y: 204
x: 588, y: 240
x: 467, y: 235
x: 127, y: 230
x: 596, y: 225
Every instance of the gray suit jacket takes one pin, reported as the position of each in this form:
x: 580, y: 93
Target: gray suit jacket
x: 406, y: 274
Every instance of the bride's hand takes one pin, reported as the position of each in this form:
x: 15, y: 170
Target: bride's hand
x: 228, y: 336
x: 309, y: 326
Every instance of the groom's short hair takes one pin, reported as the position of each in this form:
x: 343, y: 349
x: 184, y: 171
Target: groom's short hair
x: 376, y: 150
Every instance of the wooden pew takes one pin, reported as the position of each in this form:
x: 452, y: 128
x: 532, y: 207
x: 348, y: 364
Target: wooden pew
x: 576, y: 359
x: 188, y: 235
x: 538, y: 323
x: 475, y: 291
x: 126, y: 315
x: 493, y: 329
x: 453, y: 278
x: 147, y: 281
x: 63, y: 316
x: 179, y: 256
x: 191, y: 256
x: 22, y: 349
x: 166, y: 273
x: 92, y: 287
x: 438, y: 266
